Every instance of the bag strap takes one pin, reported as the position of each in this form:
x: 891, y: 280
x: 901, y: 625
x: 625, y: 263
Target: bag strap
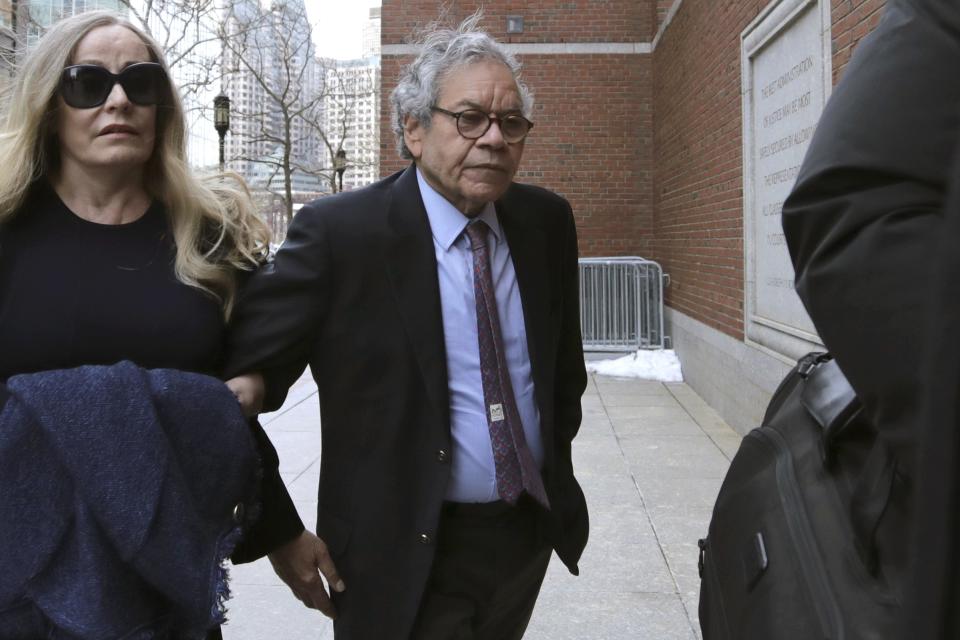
x: 830, y: 400
x: 789, y: 384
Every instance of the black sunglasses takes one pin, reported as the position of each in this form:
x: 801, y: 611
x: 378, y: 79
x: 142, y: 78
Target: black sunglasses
x: 84, y: 86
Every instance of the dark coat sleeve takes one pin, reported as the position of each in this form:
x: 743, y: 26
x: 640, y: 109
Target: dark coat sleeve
x: 867, y: 209
x: 272, y: 331
x: 278, y: 521
x: 571, y: 373
x: 281, y: 309
x: 571, y: 381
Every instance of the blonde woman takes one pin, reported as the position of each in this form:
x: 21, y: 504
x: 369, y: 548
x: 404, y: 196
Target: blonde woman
x: 110, y: 249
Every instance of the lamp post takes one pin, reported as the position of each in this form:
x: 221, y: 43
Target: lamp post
x: 221, y: 120
x: 340, y: 165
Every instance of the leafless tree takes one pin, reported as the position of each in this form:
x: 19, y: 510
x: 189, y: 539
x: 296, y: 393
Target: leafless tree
x: 187, y: 32
x: 292, y: 111
x: 334, y: 128
x: 278, y: 91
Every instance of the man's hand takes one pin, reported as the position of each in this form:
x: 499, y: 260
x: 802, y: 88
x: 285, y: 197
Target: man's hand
x: 297, y: 563
x: 249, y: 390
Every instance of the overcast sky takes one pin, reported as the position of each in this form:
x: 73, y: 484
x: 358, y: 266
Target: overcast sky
x: 338, y: 26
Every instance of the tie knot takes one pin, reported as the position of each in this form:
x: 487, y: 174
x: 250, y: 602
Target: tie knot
x: 477, y: 233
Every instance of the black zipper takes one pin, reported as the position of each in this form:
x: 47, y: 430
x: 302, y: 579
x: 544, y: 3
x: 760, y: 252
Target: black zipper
x: 717, y: 607
x: 801, y: 531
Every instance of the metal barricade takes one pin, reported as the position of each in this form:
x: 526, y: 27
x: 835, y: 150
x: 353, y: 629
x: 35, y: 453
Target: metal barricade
x: 621, y: 304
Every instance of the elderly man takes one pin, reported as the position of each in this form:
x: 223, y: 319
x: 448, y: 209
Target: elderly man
x: 438, y: 311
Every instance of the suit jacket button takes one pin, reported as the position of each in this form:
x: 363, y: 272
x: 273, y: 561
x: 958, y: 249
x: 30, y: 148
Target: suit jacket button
x: 238, y: 512
x: 425, y: 539
x: 441, y: 456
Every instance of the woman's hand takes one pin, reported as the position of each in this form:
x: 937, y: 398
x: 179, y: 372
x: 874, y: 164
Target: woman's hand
x: 249, y: 390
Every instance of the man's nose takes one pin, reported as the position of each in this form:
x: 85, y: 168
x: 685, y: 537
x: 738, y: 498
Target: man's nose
x: 493, y: 137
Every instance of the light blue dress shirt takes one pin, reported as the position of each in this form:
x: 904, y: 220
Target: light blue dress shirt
x: 473, y: 474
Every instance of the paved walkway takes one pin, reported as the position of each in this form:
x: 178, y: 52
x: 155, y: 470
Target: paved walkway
x: 650, y: 458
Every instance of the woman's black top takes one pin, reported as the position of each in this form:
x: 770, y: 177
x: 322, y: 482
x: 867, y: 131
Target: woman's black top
x: 74, y: 292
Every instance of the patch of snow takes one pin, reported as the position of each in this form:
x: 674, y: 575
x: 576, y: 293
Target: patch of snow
x: 661, y: 364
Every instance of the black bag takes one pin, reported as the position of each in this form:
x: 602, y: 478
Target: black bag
x: 789, y: 553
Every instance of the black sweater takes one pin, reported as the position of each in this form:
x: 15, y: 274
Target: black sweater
x: 74, y: 292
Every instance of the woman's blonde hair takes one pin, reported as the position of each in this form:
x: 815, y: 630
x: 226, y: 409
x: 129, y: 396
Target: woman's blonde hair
x: 215, y: 227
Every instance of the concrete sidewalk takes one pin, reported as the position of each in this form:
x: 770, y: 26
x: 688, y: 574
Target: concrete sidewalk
x: 650, y: 457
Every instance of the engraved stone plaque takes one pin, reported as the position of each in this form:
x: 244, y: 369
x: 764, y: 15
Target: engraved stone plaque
x: 786, y: 81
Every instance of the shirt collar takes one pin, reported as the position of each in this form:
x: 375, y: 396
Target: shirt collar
x: 446, y: 221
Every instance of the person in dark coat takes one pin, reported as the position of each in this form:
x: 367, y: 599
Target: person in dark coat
x: 871, y: 231
x: 438, y: 311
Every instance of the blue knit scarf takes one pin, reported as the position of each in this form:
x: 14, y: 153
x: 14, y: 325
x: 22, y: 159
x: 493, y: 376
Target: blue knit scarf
x: 118, y: 489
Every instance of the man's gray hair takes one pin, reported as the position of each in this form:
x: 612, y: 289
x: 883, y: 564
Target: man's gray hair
x: 443, y: 50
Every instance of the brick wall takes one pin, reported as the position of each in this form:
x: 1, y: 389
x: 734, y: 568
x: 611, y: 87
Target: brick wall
x: 698, y: 214
x: 592, y: 142
x: 852, y: 20
x: 544, y: 20
x: 663, y: 7
x: 698, y: 180
x: 390, y: 67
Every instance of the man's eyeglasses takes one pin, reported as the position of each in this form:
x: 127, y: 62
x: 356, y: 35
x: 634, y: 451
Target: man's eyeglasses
x: 473, y: 123
x: 84, y: 86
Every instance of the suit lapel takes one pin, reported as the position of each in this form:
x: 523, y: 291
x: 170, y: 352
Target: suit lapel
x: 528, y: 249
x: 412, y: 270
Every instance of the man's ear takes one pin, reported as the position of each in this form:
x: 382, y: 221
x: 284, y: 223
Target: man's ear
x: 413, y: 136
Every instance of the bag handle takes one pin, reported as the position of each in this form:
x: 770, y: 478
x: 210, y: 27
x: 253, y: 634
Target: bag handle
x: 829, y: 399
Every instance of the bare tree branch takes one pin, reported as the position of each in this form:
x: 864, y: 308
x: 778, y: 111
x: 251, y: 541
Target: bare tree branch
x: 281, y: 93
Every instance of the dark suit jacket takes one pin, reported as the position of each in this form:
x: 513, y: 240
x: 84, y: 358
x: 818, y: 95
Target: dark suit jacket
x: 354, y: 293
x: 863, y: 225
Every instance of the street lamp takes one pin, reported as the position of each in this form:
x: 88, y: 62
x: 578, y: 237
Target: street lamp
x: 340, y: 165
x: 221, y: 120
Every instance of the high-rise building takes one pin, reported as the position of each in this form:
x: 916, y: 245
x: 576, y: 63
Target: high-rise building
x: 371, y: 34
x: 352, y: 108
x: 274, y: 82
x: 352, y: 113
x: 34, y: 16
x: 188, y: 35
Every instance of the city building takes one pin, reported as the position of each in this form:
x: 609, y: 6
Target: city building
x: 351, y: 114
x: 371, y: 34
x: 351, y: 110
x: 188, y: 35
x: 34, y: 16
x: 675, y: 128
x: 275, y: 84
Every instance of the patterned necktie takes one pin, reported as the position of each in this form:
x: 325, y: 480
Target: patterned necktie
x: 515, y: 467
